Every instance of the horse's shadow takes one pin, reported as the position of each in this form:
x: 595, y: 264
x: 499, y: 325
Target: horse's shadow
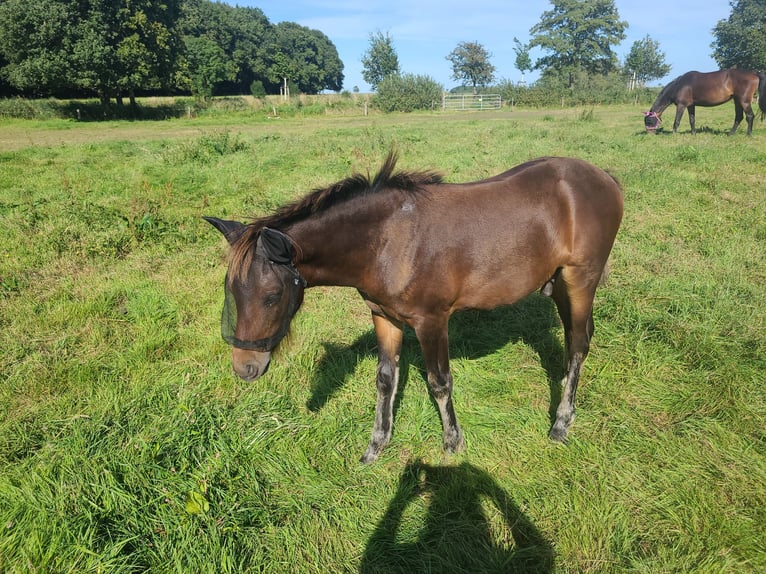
x: 456, y: 534
x: 662, y: 132
x: 473, y: 334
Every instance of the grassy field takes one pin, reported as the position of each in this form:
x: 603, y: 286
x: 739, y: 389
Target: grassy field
x: 128, y: 445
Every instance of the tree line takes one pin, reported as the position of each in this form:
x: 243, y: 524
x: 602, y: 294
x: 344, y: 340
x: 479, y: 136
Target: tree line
x: 577, y: 39
x: 120, y: 49
x: 124, y: 48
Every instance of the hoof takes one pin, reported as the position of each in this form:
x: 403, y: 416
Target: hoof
x: 558, y: 435
x: 368, y: 457
x: 454, y: 444
x: 372, y: 453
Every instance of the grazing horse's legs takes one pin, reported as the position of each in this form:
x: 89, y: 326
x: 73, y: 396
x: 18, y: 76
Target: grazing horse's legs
x: 573, y: 295
x: 389, y: 336
x: 434, y: 342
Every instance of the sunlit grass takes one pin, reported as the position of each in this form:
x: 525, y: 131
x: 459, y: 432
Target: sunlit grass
x: 127, y: 445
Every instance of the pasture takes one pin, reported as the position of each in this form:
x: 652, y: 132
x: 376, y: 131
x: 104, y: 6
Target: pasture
x: 128, y: 445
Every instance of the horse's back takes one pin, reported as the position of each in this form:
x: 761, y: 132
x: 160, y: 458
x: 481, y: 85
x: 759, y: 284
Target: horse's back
x: 494, y: 241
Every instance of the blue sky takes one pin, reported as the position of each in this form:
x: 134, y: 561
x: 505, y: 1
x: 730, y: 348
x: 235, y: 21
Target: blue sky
x: 424, y: 32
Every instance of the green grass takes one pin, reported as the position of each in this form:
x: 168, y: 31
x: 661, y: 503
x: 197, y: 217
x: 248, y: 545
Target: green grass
x: 127, y: 444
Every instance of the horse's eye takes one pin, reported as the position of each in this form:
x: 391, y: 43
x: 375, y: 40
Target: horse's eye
x: 272, y: 299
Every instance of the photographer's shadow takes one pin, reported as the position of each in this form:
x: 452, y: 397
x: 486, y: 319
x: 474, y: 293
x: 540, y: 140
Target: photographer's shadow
x: 473, y: 334
x: 456, y: 535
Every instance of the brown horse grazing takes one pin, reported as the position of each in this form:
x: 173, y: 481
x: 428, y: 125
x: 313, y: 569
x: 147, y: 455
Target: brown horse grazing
x: 710, y: 89
x: 418, y: 249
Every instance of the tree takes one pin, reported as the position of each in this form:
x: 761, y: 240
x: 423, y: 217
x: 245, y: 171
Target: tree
x: 380, y: 60
x: 34, y: 37
x: 207, y: 64
x: 646, y: 61
x: 740, y: 41
x: 578, y: 35
x: 523, y: 61
x: 307, y: 58
x: 147, y: 46
x: 470, y: 64
x: 243, y: 34
x: 103, y: 47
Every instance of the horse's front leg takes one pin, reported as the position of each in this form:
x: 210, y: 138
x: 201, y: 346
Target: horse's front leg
x: 679, y: 114
x: 389, y: 336
x: 434, y: 341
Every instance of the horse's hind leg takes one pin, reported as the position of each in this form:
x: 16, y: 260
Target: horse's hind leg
x: 573, y: 294
x: 691, y: 110
x: 746, y: 110
x: 679, y: 114
x: 389, y: 336
x: 739, y: 113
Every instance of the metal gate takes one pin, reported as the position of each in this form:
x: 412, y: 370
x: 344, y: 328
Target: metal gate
x: 471, y: 101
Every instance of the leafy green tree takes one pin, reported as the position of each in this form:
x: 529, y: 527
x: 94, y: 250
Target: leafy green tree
x: 103, y: 47
x: 307, y: 58
x: 380, y: 60
x: 36, y: 40
x: 244, y: 34
x: 471, y: 65
x: 523, y: 61
x: 578, y: 35
x: 740, y: 40
x: 148, y: 45
x: 646, y: 61
x: 207, y: 64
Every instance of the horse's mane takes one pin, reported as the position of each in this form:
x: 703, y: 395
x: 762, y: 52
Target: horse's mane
x: 323, y: 199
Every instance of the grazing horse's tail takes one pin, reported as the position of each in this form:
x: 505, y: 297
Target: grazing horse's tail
x: 762, y: 93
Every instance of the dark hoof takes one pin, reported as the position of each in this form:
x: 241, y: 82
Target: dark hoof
x: 558, y: 435
x: 368, y: 458
x: 454, y: 444
x: 370, y: 455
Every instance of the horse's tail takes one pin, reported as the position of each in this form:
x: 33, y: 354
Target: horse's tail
x: 762, y: 93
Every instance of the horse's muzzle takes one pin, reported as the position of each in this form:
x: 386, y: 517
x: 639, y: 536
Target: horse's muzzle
x: 249, y: 365
x: 651, y: 121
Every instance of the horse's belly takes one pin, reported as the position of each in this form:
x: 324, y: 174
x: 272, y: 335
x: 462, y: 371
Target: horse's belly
x: 504, y: 289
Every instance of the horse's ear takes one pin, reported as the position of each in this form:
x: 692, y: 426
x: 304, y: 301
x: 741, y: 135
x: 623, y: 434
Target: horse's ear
x: 276, y: 245
x: 232, y: 230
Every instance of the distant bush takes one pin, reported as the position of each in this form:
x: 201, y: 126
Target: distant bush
x: 407, y: 93
x: 257, y: 89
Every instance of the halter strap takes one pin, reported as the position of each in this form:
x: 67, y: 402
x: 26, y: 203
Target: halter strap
x: 653, y: 115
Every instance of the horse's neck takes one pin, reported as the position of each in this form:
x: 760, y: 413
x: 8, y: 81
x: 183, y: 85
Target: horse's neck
x: 662, y: 101
x: 331, y: 253
x: 660, y: 104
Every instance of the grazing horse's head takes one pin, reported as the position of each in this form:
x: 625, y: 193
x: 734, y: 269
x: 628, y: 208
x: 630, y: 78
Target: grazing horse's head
x: 263, y: 291
x: 652, y: 121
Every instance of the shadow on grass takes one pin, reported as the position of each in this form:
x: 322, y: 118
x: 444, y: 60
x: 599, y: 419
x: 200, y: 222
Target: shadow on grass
x: 97, y: 112
x: 473, y: 334
x: 456, y: 535
x: 663, y: 132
